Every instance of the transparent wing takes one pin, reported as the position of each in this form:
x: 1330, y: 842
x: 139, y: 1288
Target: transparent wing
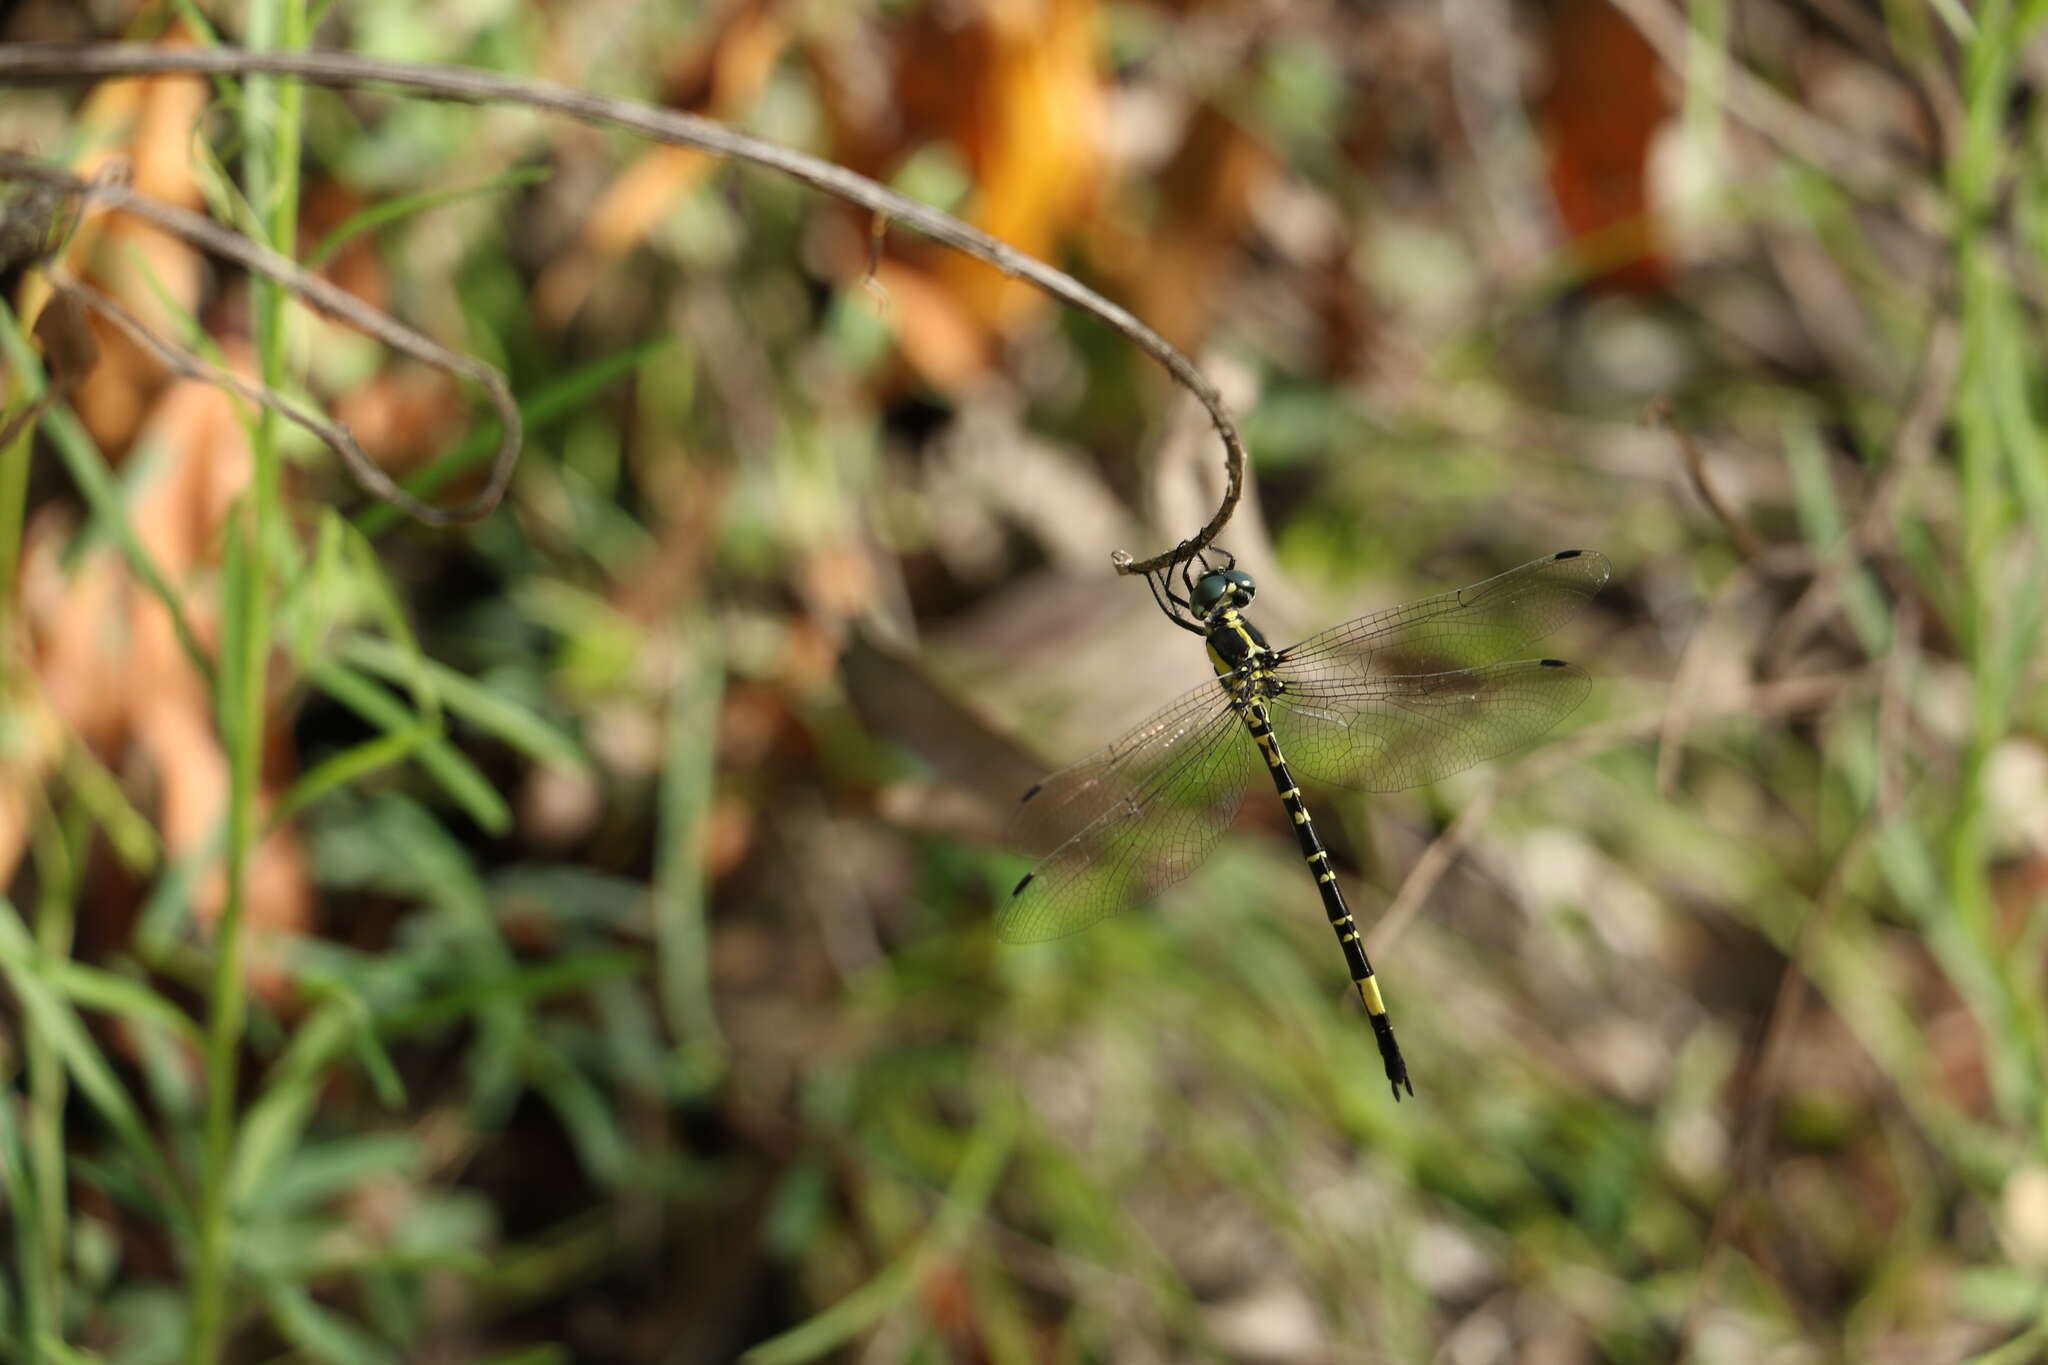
x: 1131, y: 819
x: 1387, y: 734
x: 1482, y: 624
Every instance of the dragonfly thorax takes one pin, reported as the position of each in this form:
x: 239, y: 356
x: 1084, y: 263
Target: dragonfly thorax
x: 1239, y: 652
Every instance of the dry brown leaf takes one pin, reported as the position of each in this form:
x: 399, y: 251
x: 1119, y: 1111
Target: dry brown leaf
x: 356, y: 267
x: 113, y: 673
x: 148, y: 123
x: 1015, y: 87
x: 1206, y: 197
x: 939, y: 338
x: 1604, y: 104
x: 400, y: 416
x: 1032, y: 138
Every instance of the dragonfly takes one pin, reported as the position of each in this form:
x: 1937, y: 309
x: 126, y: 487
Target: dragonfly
x: 1397, y: 699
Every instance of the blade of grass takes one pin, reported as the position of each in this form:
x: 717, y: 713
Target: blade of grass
x: 442, y: 761
x: 550, y: 403
x: 168, y: 911
x: 129, y: 832
x: 388, y: 211
x: 520, y: 986
x: 1991, y: 437
x: 974, y: 1183
x: 271, y: 1130
x: 687, y: 773
x: 389, y: 611
x: 95, y: 988
x: 13, y: 503
x: 52, y: 1017
x: 350, y: 766
x: 88, y: 470
x: 28, y: 1240
x: 320, y: 1333
x: 531, y: 734
x: 271, y: 123
x: 59, y: 840
x: 276, y: 1121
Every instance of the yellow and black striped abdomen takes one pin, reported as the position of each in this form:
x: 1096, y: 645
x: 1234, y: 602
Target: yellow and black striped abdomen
x: 1252, y: 706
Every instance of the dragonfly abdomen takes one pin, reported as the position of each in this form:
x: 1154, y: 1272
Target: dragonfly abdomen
x: 1260, y: 725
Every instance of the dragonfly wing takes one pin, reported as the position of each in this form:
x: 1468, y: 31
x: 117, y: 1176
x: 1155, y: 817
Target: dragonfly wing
x: 1131, y: 819
x: 1481, y: 624
x: 1387, y: 734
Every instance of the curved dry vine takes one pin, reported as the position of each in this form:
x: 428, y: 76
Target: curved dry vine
x: 26, y: 62
x: 317, y: 293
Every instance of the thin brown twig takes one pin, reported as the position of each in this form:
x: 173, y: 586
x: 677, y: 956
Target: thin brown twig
x: 30, y: 62
x: 1761, y: 1083
x: 1912, y: 450
x: 1678, y: 700
x: 328, y: 431
x: 1793, y: 982
x: 317, y: 293
x: 1892, y: 711
x: 1747, y: 542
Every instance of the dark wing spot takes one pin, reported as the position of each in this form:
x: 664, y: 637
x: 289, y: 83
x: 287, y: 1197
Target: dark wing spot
x: 1019, y: 887
x: 1036, y: 788
x: 1554, y: 663
x: 1568, y: 554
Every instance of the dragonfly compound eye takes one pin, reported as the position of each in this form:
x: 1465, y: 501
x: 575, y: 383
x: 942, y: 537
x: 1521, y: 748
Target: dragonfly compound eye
x: 1224, y: 587
x: 1209, y: 591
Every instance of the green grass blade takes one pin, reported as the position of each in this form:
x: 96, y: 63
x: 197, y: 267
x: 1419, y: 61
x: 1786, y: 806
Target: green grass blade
x: 320, y: 1333
x: 388, y: 211
x: 457, y: 776
x: 688, y: 770
x: 974, y: 1183
x: 54, y: 1019
x: 349, y: 767
x: 523, y: 729
x: 550, y: 403
x: 130, y: 833
x: 30, y: 1292
x: 96, y: 484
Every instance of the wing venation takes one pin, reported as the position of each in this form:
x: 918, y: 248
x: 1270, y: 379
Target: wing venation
x: 1129, y: 820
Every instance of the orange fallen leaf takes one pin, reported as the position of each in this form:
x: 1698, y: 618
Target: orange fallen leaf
x: 1604, y: 104
x: 113, y: 672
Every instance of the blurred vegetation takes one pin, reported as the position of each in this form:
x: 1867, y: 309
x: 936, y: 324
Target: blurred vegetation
x: 607, y: 884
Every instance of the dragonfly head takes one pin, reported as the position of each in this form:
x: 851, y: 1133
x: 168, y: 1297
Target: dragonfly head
x: 1223, y: 588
